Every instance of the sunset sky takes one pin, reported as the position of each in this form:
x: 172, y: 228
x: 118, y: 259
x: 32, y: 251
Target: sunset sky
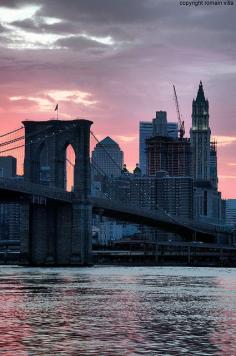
x: 114, y: 62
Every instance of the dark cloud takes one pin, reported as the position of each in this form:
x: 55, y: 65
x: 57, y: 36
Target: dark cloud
x: 100, y: 11
x: 2, y: 29
x: 139, y: 21
x: 13, y: 3
x: 79, y: 43
x: 27, y: 24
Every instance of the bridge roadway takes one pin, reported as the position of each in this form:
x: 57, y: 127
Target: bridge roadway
x: 14, y: 189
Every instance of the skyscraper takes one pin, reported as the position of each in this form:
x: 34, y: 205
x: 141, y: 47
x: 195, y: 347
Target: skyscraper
x: 145, y: 131
x: 200, y: 134
x: 107, y: 158
x: 213, y: 165
x: 148, y: 129
x: 172, y: 129
x: 159, y: 124
x: 168, y: 154
x: 207, y: 199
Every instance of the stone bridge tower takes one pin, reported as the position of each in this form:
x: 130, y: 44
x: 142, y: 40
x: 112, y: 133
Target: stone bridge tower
x: 57, y: 233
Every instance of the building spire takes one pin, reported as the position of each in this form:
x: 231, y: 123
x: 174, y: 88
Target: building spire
x: 200, y: 94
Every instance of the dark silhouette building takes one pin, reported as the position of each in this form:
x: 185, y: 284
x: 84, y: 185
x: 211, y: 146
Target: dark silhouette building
x: 200, y: 135
x: 172, y: 194
x: 7, y: 167
x: 107, y: 158
x: 168, y: 154
x: 207, y: 199
x: 9, y: 212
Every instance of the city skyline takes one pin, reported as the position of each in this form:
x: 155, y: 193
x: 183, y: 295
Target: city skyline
x: 119, y: 71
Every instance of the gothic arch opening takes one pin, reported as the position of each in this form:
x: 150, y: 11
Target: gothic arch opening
x: 69, y: 168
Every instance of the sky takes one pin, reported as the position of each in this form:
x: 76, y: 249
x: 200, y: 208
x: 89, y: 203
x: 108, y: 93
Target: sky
x: 114, y: 62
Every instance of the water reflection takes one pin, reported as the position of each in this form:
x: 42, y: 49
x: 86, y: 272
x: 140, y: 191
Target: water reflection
x: 117, y: 311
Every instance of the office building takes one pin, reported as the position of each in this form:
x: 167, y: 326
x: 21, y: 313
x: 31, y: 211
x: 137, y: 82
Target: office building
x: 213, y: 165
x: 106, y: 231
x: 172, y: 194
x: 200, y: 135
x: 148, y: 129
x: 207, y: 199
x: 207, y: 203
x: 9, y: 212
x: 7, y: 167
x: 9, y: 221
x: 230, y: 212
x: 107, y: 159
x: 172, y: 129
x: 145, y: 131
x: 168, y: 154
x: 159, y: 124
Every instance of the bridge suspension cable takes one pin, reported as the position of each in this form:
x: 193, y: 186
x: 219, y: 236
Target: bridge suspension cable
x: 11, y: 132
x: 39, y: 139
x: 14, y: 143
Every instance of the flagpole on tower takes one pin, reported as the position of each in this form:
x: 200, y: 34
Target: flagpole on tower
x: 56, y: 109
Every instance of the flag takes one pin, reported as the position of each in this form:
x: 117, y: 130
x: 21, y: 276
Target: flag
x: 56, y: 108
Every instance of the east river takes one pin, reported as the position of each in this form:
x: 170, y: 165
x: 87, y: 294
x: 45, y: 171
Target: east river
x: 117, y: 311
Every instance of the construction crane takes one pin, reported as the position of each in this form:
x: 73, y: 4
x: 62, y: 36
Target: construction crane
x: 181, y: 123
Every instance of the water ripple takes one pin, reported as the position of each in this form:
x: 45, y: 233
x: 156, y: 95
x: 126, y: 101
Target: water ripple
x: 117, y: 311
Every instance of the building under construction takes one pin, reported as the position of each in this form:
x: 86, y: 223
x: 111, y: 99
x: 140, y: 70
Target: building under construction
x: 168, y: 154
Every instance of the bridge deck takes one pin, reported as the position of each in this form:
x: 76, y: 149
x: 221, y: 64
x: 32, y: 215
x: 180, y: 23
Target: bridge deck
x: 114, y: 209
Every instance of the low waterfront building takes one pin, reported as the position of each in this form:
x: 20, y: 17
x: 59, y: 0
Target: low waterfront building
x: 9, y: 212
x: 230, y: 212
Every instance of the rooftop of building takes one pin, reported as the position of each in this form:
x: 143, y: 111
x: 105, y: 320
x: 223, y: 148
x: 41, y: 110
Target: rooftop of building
x: 200, y: 94
x: 108, y: 141
x: 168, y: 139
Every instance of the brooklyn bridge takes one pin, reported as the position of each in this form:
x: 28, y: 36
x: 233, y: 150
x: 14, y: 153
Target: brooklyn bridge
x: 56, y: 225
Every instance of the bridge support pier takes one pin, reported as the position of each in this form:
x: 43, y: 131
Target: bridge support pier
x: 56, y: 235
x: 59, y: 231
x: 24, y: 233
x: 189, y: 255
x: 81, y: 239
